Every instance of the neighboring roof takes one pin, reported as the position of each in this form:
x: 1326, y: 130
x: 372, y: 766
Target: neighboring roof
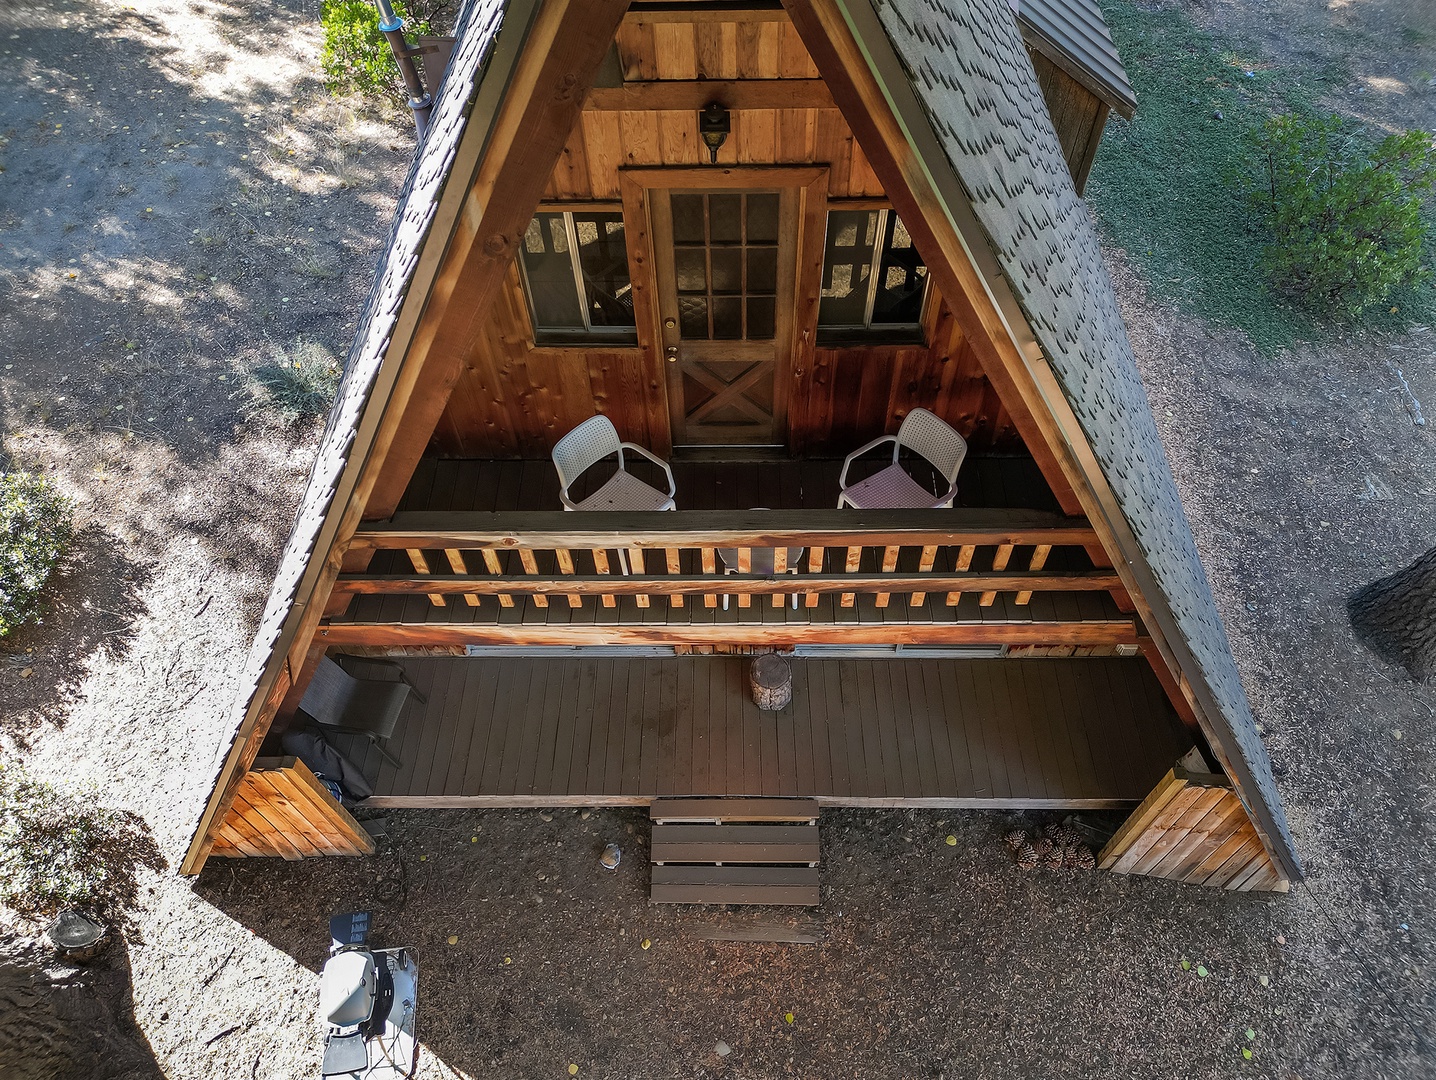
x: 336, y: 468
x: 971, y: 74
x: 1074, y: 36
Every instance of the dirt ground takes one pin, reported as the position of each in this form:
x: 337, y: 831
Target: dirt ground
x: 180, y: 197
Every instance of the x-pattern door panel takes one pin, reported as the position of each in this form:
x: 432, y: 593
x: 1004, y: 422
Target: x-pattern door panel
x: 726, y: 268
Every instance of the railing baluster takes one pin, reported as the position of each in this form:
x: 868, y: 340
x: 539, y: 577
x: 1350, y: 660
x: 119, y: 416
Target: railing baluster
x: 999, y: 562
x: 710, y: 566
x: 565, y: 566
x: 491, y: 563
x: 780, y: 567
x: 456, y: 564
x: 526, y: 556
x: 924, y: 566
x: 635, y: 566
x: 421, y: 566
x: 600, y: 564
x: 815, y: 566
x: 745, y: 567
x: 890, y: 558
x: 964, y: 563
x: 1038, y: 561
x: 674, y: 567
x: 855, y: 560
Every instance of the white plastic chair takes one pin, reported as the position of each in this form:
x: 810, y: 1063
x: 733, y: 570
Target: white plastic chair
x: 763, y: 561
x: 926, y: 435
x: 588, y: 444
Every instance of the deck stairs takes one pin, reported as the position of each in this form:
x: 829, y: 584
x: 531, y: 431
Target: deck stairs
x: 735, y: 851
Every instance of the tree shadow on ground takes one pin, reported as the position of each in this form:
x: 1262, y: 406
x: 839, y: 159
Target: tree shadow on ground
x: 93, y: 602
x: 69, y: 1022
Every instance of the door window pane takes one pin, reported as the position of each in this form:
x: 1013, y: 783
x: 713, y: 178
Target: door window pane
x: 763, y: 218
x: 727, y: 318
x: 725, y: 259
x: 760, y: 318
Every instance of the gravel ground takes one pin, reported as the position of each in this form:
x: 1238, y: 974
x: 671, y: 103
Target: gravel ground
x: 174, y: 158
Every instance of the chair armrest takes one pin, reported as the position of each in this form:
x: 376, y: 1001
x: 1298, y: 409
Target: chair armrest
x: 672, y: 487
x: 568, y: 504
x: 947, y: 499
x: 859, y: 452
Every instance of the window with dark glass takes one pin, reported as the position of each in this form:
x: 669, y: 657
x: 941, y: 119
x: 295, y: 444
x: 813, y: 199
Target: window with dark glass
x: 575, y: 269
x: 874, y: 282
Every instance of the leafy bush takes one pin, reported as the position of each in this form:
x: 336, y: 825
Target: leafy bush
x: 356, y: 57
x: 36, y: 527
x: 299, y: 382
x: 1345, y: 215
x: 60, y: 848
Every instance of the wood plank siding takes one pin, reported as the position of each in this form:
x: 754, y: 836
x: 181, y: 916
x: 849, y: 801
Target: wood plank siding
x: 281, y: 809
x: 515, y: 732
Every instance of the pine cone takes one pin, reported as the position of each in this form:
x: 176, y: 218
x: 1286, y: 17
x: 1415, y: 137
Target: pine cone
x: 1053, y: 861
x: 1085, y: 859
x: 1072, y: 855
x: 1015, y: 839
x: 1053, y: 831
x: 1042, y: 846
x: 1026, y: 856
x: 1067, y: 835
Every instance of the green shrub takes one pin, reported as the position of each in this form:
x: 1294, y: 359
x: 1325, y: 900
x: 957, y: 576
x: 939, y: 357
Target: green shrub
x: 59, y: 848
x: 298, y: 383
x: 1345, y: 215
x: 356, y: 57
x: 36, y: 527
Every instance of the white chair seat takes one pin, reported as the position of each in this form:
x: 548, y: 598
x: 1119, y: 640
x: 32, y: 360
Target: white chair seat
x: 624, y: 491
x: 892, y: 488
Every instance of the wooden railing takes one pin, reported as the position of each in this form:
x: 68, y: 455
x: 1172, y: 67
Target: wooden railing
x: 494, y: 557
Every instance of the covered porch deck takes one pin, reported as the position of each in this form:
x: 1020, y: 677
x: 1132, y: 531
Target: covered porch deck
x: 534, y: 731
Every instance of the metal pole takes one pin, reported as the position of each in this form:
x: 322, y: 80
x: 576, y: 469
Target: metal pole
x: 392, y: 27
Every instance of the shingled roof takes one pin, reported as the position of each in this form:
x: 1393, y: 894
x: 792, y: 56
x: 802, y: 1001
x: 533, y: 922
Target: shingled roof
x: 966, y: 62
x: 1074, y: 36
x: 336, y: 469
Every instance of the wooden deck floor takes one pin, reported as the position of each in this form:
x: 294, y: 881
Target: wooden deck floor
x: 1095, y: 732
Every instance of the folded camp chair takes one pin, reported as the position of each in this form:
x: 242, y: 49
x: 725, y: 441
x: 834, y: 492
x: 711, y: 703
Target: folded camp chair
x: 931, y: 439
x: 588, y: 444
x: 369, y: 707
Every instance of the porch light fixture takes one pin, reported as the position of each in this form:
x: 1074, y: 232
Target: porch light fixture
x: 714, y: 124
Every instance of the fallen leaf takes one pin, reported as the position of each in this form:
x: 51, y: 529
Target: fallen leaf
x: 1281, y: 939
x: 1202, y: 971
x: 788, y: 1017
x: 1250, y: 1034
x: 1186, y: 964
x: 453, y: 939
x: 1397, y: 734
x: 508, y: 959
x: 951, y: 841
x: 473, y: 839
x: 1246, y: 1053
x: 572, y: 1068
x: 1263, y: 980
x: 645, y: 945
x: 25, y: 673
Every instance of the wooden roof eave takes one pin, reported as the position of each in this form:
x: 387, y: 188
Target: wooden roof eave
x: 871, y: 83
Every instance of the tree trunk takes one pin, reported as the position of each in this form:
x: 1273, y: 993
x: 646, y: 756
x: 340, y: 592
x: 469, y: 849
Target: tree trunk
x: 1396, y: 617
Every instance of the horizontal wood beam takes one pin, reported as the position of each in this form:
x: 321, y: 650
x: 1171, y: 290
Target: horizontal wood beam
x: 690, y: 585
x: 1113, y: 632
x: 685, y: 95
x: 547, y: 529
x: 720, y: 12
x: 438, y: 802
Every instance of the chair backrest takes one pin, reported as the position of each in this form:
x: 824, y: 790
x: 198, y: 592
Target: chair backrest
x: 934, y: 440
x: 584, y: 446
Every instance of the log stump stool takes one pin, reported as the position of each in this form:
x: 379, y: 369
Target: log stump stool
x: 771, y: 680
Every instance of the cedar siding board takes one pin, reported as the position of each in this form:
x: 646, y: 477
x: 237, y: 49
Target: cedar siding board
x: 971, y: 74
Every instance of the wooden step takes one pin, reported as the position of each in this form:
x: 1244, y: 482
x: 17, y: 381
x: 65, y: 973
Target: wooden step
x: 719, y: 810
x: 720, y: 844
x: 791, y: 885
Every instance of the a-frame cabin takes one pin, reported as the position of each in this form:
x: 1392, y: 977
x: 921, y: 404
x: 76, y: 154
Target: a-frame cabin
x: 890, y: 224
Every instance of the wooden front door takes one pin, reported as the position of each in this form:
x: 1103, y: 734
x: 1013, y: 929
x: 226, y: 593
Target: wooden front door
x: 726, y: 268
